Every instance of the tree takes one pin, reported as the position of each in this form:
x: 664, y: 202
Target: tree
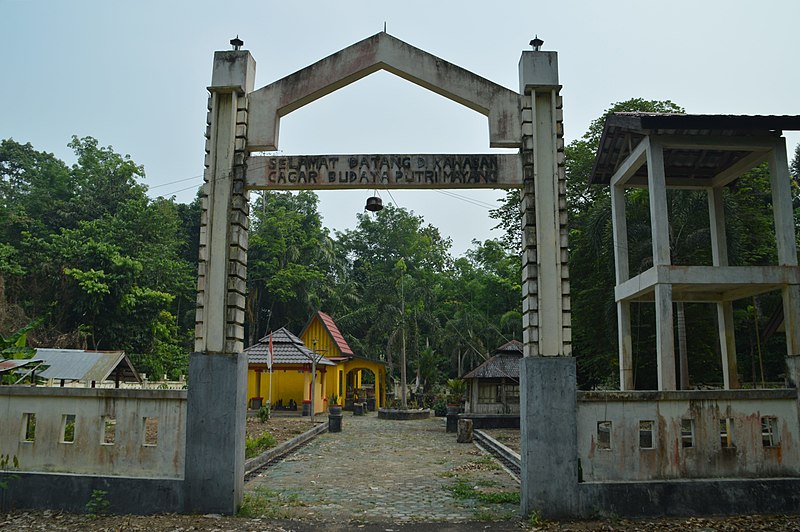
x: 397, y: 262
x: 292, y: 264
x: 86, y: 251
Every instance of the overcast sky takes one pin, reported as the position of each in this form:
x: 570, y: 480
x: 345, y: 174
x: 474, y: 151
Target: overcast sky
x: 134, y: 75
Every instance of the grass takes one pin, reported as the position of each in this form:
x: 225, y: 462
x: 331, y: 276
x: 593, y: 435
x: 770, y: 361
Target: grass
x: 269, y: 503
x: 256, y: 446
x: 464, y: 490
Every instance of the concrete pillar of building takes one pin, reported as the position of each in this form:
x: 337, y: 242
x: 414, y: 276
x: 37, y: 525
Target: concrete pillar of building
x: 659, y: 224
x: 785, y: 236
x: 547, y: 371
x: 622, y: 274
x: 719, y: 257
x: 217, y: 397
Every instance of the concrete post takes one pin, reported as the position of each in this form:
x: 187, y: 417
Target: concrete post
x: 216, y: 409
x: 622, y: 274
x: 785, y: 236
x: 719, y: 255
x: 659, y: 223
x: 547, y: 371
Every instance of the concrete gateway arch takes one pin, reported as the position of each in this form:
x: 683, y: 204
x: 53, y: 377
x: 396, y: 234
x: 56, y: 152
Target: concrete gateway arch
x: 242, y: 120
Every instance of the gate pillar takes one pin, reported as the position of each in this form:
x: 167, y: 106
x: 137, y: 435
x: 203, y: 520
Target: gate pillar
x: 216, y: 410
x: 547, y: 371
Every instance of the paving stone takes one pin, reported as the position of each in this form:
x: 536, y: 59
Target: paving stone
x: 382, y: 470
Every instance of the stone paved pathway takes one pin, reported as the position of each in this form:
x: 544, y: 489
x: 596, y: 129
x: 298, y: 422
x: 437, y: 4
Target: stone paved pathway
x: 377, y: 470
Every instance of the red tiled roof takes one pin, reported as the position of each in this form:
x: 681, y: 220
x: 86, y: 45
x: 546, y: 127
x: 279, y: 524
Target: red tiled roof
x: 333, y: 330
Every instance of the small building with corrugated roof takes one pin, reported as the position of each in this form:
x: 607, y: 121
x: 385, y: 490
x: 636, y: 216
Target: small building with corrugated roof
x: 60, y: 366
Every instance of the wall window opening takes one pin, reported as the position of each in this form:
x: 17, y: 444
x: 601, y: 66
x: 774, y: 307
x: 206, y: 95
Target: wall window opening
x: 770, y: 437
x: 726, y: 433
x: 150, y: 431
x: 646, y: 428
x: 687, y: 433
x: 68, y: 428
x: 604, y: 435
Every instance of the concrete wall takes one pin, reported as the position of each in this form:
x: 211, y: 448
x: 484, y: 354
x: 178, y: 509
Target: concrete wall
x: 132, y: 453
x: 630, y: 454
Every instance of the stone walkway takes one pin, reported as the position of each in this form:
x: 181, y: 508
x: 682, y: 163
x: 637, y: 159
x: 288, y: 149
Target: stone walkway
x: 379, y: 471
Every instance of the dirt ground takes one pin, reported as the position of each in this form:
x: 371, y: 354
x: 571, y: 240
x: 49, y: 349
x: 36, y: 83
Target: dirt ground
x: 282, y: 428
x: 58, y: 522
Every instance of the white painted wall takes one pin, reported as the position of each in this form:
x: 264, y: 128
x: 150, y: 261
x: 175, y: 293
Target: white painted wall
x: 128, y: 456
x: 668, y: 459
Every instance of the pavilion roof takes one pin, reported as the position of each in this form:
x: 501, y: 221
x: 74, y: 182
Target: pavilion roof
x: 286, y: 348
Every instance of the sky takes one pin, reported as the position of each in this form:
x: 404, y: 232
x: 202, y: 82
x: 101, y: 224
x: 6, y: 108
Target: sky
x: 134, y: 76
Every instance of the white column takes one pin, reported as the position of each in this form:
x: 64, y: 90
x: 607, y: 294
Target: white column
x: 719, y: 256
x: 659, y: 223
x: 665, y: 341
x: 787, y: 247
x: 622, y: 274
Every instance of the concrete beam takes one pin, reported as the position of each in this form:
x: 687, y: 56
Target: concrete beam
x: 631, y: 164
x: 383, y: 52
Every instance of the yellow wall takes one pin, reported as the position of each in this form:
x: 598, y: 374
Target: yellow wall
x: 328, y: 348
x: 288, y: 384
x: 325, y: 344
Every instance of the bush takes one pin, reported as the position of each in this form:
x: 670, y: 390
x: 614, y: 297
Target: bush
x: 263, y: 413
x: 255, y: 446
x: 440, y: 406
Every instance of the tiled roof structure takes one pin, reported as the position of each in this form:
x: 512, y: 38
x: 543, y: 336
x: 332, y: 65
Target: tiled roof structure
x: 330, y: 325
x: 286, y: 348
x: 505, y: 363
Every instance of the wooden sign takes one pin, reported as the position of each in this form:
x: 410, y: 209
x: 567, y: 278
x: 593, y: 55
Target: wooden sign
x: 294, y: 172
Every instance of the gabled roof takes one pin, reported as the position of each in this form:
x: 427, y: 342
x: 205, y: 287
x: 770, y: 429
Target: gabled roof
x: 622, y: 132
x: 286, y: 348
x: 504, y: 363
x: 80, y: 365
x: 512, y: 347
x: 333, y: 331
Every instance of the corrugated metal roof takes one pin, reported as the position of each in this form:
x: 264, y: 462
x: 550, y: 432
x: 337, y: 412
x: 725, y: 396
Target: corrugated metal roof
x: 8, y: 365
x: 80, y: 365
x: 499, y: 366
x: 623, y: 131
x: 286, y: 348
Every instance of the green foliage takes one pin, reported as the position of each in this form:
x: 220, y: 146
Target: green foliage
x: 440, y: 406
x: 263, y: 413
x: 98, y: 503
x: 7, y: 462
x: 457, y: 387
x: 269, y: 504
x: 256, y: 446
x: 462, y: 489
x: 89, y: 254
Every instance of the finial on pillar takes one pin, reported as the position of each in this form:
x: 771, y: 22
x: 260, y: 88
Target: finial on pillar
x: 237, y: 43
x: 384, y: 26
x: 537, y: 43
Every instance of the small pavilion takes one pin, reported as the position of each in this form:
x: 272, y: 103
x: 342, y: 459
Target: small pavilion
x: 291, y: 381
x: 493, y: 387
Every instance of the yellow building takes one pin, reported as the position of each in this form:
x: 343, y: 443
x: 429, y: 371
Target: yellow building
x: 354, y: 378
x: 289, y: 384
